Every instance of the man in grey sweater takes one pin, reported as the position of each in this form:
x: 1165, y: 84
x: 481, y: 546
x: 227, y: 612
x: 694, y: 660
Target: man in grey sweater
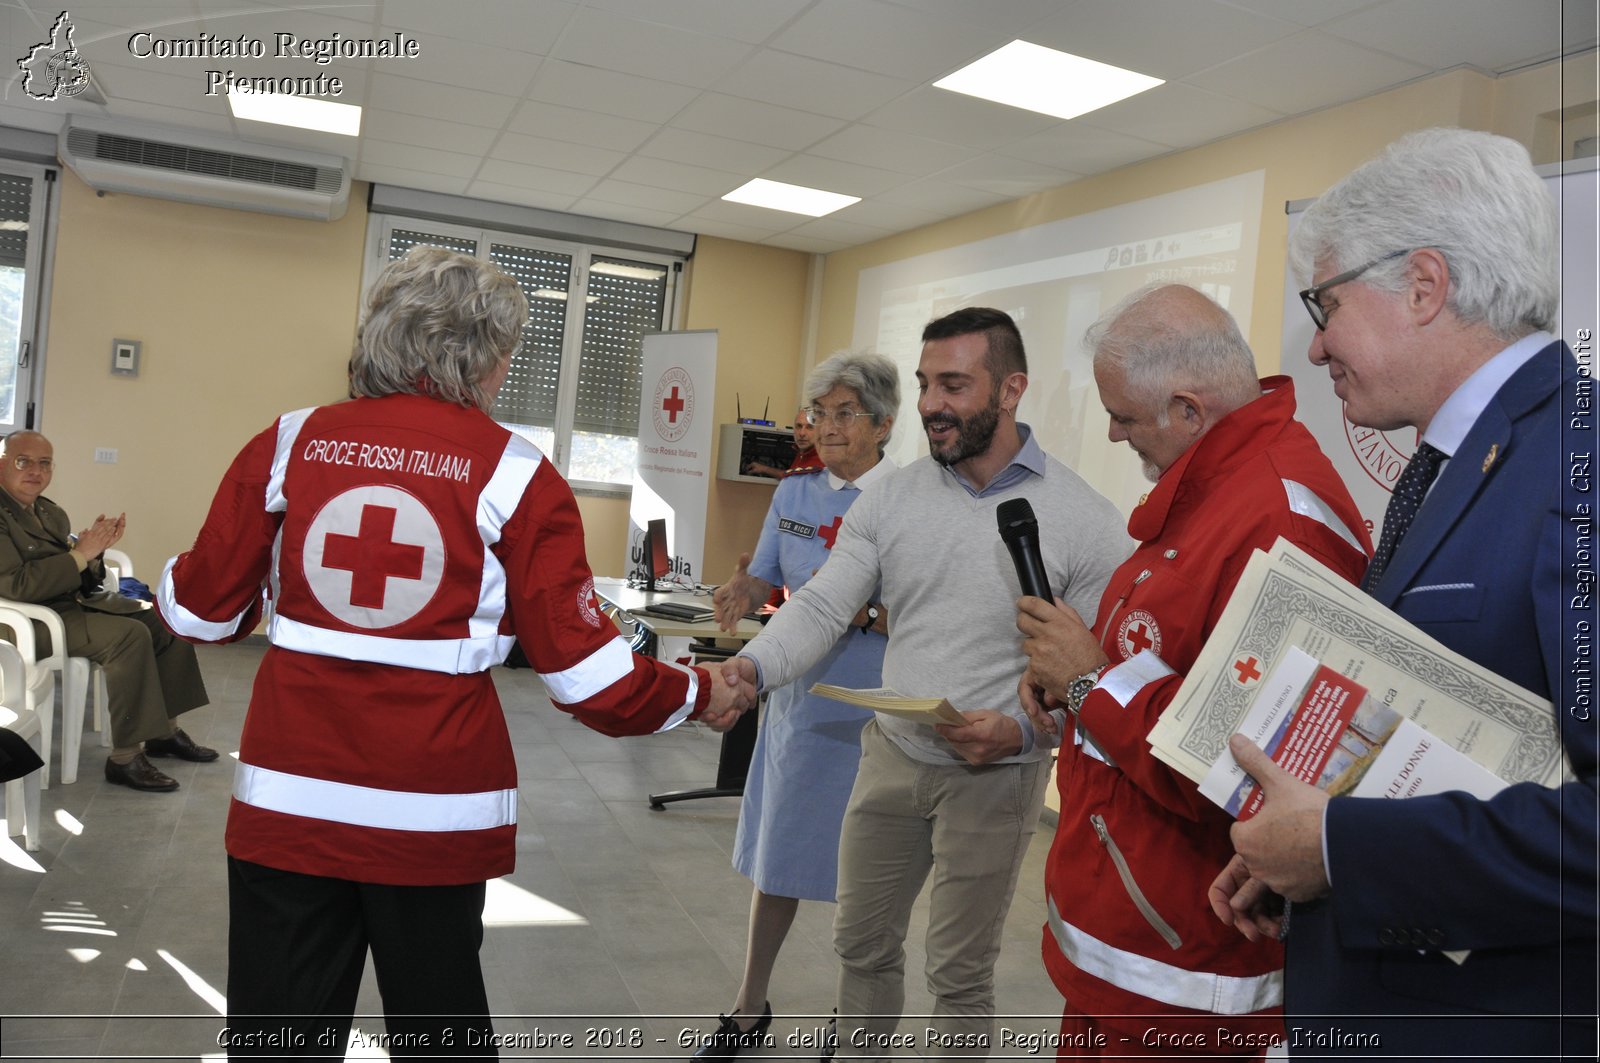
x: 959, y: 802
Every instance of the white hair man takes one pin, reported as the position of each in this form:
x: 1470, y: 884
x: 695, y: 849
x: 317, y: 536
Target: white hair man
x: 1435, y: 278
x: 1134, y: 951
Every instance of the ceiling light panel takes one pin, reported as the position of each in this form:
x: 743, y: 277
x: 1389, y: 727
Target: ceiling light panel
x: 796, y: 199
x: 1041, y: 79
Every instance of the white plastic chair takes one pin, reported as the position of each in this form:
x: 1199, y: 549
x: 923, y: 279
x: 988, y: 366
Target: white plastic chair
x: 21, y: 795
x: 39, y: 688
x: 118, y: 565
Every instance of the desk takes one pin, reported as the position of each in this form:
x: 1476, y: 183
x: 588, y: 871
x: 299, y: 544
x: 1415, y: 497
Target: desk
x: 630, y: 600
x: 739, y: 741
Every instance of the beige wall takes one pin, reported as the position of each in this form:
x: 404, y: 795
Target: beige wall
x: 242, y: 317
x: 1301, y: 158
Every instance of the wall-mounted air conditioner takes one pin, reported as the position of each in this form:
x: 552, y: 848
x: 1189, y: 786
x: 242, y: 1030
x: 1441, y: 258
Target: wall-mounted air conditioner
x: 191, y: 167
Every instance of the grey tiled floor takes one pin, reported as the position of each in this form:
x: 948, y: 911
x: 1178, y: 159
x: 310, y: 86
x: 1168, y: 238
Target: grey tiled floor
x: 617, y: 918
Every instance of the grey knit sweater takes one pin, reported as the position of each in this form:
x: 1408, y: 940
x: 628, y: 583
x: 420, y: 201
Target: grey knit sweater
x: 950, y: 589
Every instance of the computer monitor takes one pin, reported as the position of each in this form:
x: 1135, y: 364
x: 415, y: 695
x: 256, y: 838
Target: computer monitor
x: 655, y: 563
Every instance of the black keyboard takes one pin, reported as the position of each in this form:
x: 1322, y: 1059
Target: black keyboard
x: 693, y: 614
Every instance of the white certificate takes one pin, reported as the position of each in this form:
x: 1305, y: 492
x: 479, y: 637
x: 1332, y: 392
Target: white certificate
x: 1289, y: 599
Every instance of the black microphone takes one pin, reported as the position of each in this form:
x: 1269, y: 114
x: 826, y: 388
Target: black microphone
x: 1020, y: 530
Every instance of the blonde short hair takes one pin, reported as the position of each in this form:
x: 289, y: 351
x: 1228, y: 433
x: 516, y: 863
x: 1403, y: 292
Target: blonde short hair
x: 437, y: 323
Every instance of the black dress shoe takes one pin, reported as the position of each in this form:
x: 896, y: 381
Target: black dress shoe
x: 140, y: 774
x: 180, y: 745
x: 830, y: 1043
x: 729, y: 1040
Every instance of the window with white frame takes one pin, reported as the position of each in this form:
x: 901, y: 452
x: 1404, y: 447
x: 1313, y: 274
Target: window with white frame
x: 573, y: 388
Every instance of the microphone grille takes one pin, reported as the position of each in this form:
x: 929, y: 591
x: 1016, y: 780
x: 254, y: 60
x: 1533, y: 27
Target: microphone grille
x: 1015, y: 517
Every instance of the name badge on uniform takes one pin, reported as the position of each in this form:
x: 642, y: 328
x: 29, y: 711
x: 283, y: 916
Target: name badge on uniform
x: 794, y: 527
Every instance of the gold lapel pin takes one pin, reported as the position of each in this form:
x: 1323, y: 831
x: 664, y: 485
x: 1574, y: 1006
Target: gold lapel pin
x: 1488, y: 459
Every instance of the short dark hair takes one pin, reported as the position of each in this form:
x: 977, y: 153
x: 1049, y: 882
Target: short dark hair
x: 1006, y: 355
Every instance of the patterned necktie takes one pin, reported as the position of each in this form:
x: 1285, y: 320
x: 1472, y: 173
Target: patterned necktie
x: 1409, y: 491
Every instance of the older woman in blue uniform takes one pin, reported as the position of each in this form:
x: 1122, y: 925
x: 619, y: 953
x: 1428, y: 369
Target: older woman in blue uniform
x: 807, y: 751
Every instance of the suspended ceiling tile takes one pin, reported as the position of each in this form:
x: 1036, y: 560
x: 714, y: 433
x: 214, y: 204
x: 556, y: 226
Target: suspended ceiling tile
x: 950, y: 116
x: 1082, y: 148
x: 1442, y: 33
x: 1309, y: 70
x: 1009, y: 18
x: 886, y: 149
x: 1173, y: 37
x: 744, y: 214
x: 891, y: 217
x: 706, y: 149
x: 467, y: 65
x: 397, y: 128
x: 831, y: 175
x: 208, y: 122
x: 752, y: 120
x: 1180, y: 116
x: 579, y: 126
x: 556, y: 154
x: 752, y: 21
x: 608, y: 41
x: 663, y: 173
x: 871, y: 35
x: 599, y: 208
x: 609, y: 92
x: 1303, y: 12
x: 427, y: 160
x: 444, y: 102
x: 514, y: 24
x: 540, y: 178
x: 728, y: 230
x: 408, y: 178
x: 663, y: 199
x: 809, y: 84
x: 518, y: 194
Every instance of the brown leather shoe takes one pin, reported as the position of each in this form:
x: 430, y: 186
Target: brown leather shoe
x: 180, y: 745
x: 139, y: 774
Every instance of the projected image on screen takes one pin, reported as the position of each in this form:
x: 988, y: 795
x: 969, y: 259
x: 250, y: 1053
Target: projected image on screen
x: 1055, y: 280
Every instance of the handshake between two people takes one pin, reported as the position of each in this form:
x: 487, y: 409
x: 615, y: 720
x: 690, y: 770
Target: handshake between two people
x: 733, y: 693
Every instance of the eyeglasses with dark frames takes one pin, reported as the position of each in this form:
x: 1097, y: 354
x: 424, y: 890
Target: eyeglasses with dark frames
x: 1312, y: 296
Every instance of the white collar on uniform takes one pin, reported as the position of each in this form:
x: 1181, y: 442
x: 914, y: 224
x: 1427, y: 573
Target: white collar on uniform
x: 884, y: 467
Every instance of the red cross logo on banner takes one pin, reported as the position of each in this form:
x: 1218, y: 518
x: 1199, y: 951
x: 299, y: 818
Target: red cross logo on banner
x: 673, y: 405
x: 1249, y: 669
x: 374, y: 556
x: 1137, y: 633
x: 830, y: 532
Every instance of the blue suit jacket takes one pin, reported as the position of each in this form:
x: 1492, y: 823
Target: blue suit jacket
x: 1493, y: 567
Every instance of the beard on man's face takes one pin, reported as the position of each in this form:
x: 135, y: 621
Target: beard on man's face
x: 973, y: 434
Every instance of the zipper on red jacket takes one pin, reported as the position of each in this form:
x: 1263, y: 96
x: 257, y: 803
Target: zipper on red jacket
x: 1140, y: 901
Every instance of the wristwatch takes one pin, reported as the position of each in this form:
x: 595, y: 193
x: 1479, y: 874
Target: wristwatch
x: 872, y: 618
x: 1079, y: 688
